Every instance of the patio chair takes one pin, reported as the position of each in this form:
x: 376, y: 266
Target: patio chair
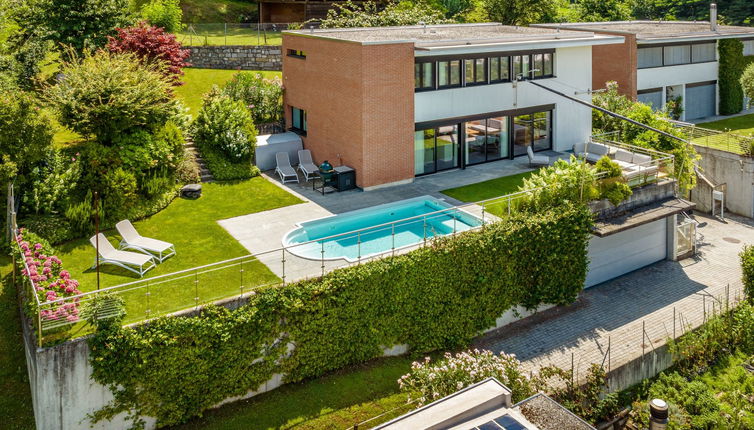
x: 133, y: 240
x: 537, y: 160
x: 131, y: 261
x: 283, y: 168
x: 306, y: 164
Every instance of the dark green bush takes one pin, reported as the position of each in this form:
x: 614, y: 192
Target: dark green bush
x: 729, y: 73
x: 225, y: 124
x: 747, y: 267
x: 438, y: 297
x: 263, y: 97
x: 55, y: 229
x: 224, y: 169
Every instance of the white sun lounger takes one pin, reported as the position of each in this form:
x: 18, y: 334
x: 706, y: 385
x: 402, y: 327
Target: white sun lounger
x: 306, y: 164
x: 284, y: 169
x: 131, y: 261
x: 133, y: 240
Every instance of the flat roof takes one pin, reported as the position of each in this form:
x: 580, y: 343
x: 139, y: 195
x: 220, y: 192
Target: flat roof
x: 662, y: 30
x: 641, y: 215
x: 448, y: 34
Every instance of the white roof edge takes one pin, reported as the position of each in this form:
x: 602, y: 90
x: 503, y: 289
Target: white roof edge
x: 660, y: 39
x: 528, y: 44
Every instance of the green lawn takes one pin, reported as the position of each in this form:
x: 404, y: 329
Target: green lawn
x: 15, y: 397
x: 199, y: 81
x: 191, y: 225
x: 336, y: 401
x: 232, y: 34
x: 743, y: 125
x: 489, y: 190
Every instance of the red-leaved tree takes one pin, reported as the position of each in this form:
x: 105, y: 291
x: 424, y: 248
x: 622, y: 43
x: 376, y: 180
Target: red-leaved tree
x: 152, y: 44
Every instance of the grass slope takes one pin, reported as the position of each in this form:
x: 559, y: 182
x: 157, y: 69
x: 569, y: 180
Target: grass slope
x: 336, y: 401
x: 743, y: 125
x: 15, y: 397
x: 198, y: 82
x: 191, y: 225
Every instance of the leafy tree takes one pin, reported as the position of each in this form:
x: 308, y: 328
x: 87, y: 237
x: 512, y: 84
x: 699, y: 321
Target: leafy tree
x: 520, y: 12
x: 263, y: 97
x: 604, y: 10
x: 152, y: 44
x: 224, y: 123
x: 747, y: 81
x: 105, y: 95
x: 166, y: 14
x: 368, y: 14
x: 80, y: 24
x: 25, y: 133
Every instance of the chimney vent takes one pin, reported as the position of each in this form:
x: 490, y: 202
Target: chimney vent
x: 713, y: 17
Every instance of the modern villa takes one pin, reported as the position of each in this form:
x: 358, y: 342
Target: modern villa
x: 663, y: 60
x: 395, y: 103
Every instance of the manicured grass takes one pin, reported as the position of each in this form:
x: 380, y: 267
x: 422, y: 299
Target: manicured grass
x: 336, y: 401
x: 191, y: 225
x: 488, y: 189
x: 15, y: 397
x: 199, y: 81
x: 233, y: 34
x: 742, y: 125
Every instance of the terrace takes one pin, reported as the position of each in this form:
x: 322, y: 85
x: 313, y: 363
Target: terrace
x: 229, y: 241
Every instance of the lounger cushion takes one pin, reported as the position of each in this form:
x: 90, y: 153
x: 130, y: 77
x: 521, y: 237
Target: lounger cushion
x: 578, y: 149
x: 623, y: 156
x: 593, y: 158
x: 597, y: 148
x: 642, y: 159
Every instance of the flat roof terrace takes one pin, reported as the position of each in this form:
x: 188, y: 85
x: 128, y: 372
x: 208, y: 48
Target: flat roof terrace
x: 659, y: 30
x: 448, y: 34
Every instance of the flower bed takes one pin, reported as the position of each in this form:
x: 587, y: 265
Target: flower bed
x: 48, y: 279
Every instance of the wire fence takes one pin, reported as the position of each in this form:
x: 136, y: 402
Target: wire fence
x: 224, y: 34
x: 189, y: 289
x: 715, y: 139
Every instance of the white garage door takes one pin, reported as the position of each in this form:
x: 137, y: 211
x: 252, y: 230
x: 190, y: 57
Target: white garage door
x: 612, y: 256
x: 700, y: 100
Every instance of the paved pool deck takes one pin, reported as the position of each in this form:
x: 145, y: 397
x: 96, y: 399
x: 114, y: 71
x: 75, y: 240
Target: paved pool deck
x: 262, y: 233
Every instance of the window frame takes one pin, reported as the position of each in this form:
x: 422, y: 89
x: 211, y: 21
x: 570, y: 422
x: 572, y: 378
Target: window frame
x: 302, y: 120
x: 500, y: 68
x: 690, y: 46
x: 474, y: 71
x: 297, y: 53
x: 449, y: 74
x: 433, y: 85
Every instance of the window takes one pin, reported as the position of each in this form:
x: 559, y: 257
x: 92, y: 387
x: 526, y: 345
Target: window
x: 522, y: 67
x: 476, y: 71
x: 449, y: 73
x: 297, y: 53
x: 298, y: 120
x: 424, y: 76
x: 703, y: 52
x: 674, y: 55
x: 500, y: 69
x: 649, y: 57
x: 651, y: 97
x: 532, y: 130
x: 549, y: 69
x: 748, y: 47
x: 435, y: 149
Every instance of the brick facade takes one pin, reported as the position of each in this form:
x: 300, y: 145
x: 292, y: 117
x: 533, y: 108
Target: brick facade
x: 616, y: 62
x: 360, y: 108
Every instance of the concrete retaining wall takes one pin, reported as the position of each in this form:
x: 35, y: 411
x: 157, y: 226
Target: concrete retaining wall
x: 734, y: 170
x: 236, y: 57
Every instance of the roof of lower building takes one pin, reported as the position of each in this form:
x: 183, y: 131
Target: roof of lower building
x: 662, y: 30
x: 448, y: 34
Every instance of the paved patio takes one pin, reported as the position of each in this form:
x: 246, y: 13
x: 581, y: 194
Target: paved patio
x: 620, y: 308
x: 261, y: 233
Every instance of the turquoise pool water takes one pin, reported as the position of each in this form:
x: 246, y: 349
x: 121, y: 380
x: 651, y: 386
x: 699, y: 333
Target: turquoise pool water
x: 367, y: 232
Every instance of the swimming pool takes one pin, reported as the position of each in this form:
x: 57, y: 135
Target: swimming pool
x: 366, y: 232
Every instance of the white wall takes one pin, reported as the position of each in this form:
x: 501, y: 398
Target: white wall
x: 572, y: 121
x: 675, y: 75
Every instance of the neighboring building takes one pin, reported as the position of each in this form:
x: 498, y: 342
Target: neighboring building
x: 295, y: 11
x: 487, y: 406
x: 663, y: 60
x: 399, y: 102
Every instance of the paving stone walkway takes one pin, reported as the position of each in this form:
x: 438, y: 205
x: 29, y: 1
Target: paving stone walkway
x: 620, y: 308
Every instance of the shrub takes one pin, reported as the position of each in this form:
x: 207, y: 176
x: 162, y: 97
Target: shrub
x: 730, y: 71
x: 26, y: 132
x: 106, y: 95
x: 142, y: 151
x: 80, y: 24
x: 51, y: 182
x: 263, y: 97
x: 54, y: 229
x: 562, y: 183
x: 609, y: 167
x: 368, y: 14
x: 225, y: 124
x: 747, y: 267
x: 747, y: 82
x: 611, y: 186
x: 152, y: 45
x: 165, y: 14
x: 616, y: 192
x: 225, y: 169
x: 454, y: 372
x: 431, y: 298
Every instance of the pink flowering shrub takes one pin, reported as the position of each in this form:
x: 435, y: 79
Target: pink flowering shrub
x: 432, y: 381
x: 51, y: 282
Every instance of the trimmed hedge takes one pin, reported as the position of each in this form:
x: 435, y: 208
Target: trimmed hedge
x: 747, y: 267
x: 438, y: 297
x: 732, y: 65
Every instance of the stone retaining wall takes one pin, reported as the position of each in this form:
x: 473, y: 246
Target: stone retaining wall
x: 236, y: 57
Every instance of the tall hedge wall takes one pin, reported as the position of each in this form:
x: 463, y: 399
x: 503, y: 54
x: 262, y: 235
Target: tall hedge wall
x: 438, y: 297
x: 732, y: 66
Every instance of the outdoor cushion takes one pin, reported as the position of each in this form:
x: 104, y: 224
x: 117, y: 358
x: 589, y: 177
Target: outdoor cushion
x: 593, y: 158
x: 578, y: 148
x: 598, y: 149
x: 623, y: 156
x: 642, y: 159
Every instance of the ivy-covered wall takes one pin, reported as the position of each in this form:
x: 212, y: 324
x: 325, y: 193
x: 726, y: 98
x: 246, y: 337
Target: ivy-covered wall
x: 437, y: 297
x: 731, y: 67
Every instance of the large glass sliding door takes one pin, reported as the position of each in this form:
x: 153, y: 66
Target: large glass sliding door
x: 435, y: 149
x: 533, y: 130
x: 486, y: 140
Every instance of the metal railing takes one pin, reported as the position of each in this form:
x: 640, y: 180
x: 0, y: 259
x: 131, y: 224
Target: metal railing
x: 715, y: 139
x: 660, y: 165
x: 230, y: 279
x: 224, y: 34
